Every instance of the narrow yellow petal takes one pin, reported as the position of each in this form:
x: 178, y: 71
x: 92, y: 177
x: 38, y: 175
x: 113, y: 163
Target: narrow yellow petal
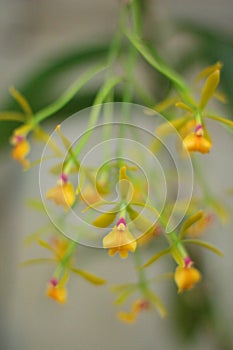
x: 210, y: 69
x: 105, y: 219
x: 184, y: 106
x: 209, y: 88
x: 21, y: 100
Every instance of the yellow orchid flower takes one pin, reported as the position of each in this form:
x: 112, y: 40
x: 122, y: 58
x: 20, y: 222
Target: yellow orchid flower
x: 120, y: 240
x: 56, y: 291
x: 63, y: 193
x: 137, y: 307
x: 21, y: 146
x: 186, y: 277
x: 196, y: 142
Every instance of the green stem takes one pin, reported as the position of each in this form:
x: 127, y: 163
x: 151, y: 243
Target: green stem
x: 141, y: 272
x: 101, y: 96
x: 155, y: 61
x: 130, y: 70
x: 62, y: 265
x: 204, y: 186
x: 68, y: 95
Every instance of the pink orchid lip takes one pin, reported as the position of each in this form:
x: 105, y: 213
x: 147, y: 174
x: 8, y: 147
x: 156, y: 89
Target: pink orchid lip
x: 199, y: 130
x: 144, y: 304
x: 121, y: 221
x: 188, y: 261
x: 18, y: 138
x: 54, y: 282
x: 64, y: 177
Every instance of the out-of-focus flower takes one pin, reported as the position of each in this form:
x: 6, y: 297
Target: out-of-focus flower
x: 21, y: 146
x: 120, y: 240
x: 196, y: 142
x: 56, y: 291
x: 137, y: 307
x: 63, y: 193
x: 21, y: 150
x: 186, y: 277
x: 60, y: 245
x: 90, y: 195
x: 198, y: 228
x: 191, y: 126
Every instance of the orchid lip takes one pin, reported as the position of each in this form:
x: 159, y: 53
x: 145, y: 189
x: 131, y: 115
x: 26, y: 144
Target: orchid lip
x: 121, y: 221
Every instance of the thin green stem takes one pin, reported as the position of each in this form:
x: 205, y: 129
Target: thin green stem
x: 63, y: 262
x: 130, y: 70
x: 68, y: 95
x: 155, y: 61
x: 96, y: 109
x: 141, y: 273
x: 201, y: 180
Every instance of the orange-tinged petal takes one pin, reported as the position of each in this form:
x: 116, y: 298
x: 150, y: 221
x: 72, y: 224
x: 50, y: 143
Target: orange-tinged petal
x: 62, y: 194
x: 20, y: 151
x: 186, y: 278
x: 128, y: 317
x: 123, y: 253
x: 196, y: 143
x: 120, y: 240
x: 58, y: 293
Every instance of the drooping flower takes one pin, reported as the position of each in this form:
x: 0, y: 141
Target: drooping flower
x: 186, y: 277
x: 120, y: 240
x: 56, y: 291
x: 21, y: 147
x: 137, y: 307
x: 196, y: 142
x: 63, y: 193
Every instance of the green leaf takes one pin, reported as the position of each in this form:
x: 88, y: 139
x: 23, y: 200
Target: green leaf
x: 90, y: 277
x: 204, y: 245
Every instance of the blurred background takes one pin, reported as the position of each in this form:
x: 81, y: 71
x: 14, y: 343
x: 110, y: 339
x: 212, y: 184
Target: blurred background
x: 43, y: 45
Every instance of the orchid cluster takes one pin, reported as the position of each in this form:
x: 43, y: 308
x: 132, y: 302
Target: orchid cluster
x: 128, y: 230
